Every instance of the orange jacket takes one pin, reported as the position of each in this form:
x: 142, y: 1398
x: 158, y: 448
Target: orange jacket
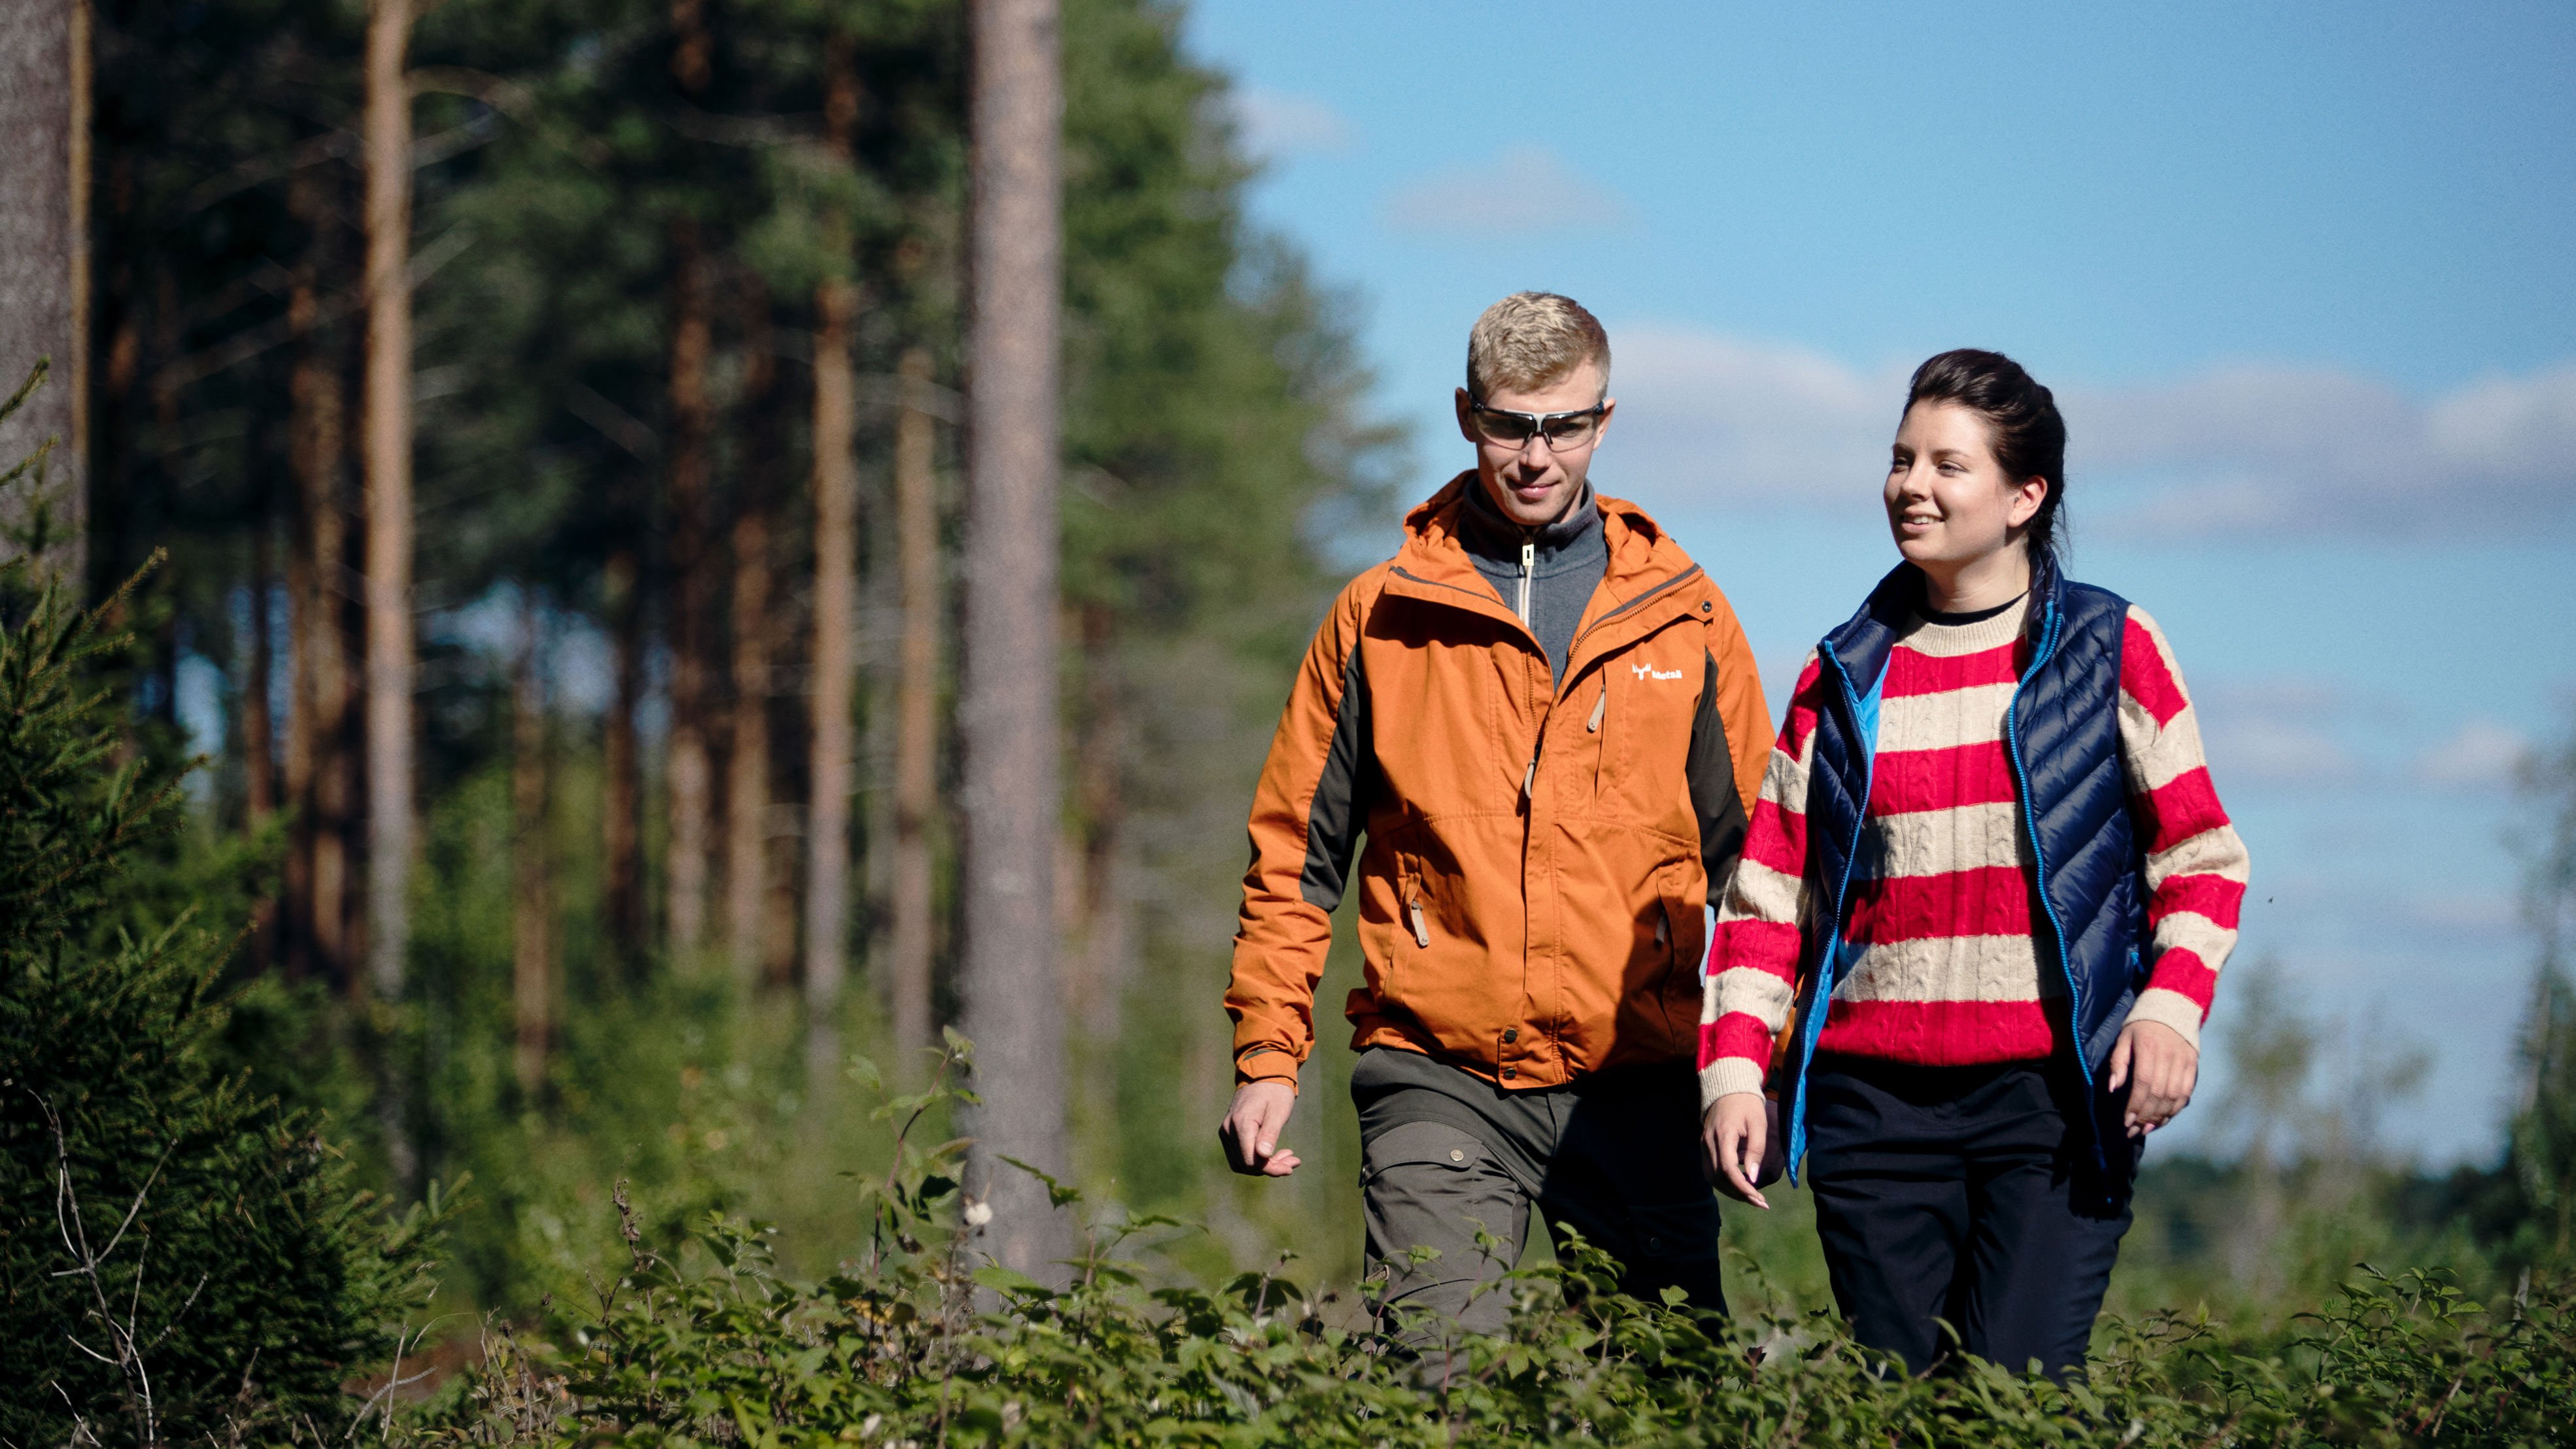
x: 1537, y: 854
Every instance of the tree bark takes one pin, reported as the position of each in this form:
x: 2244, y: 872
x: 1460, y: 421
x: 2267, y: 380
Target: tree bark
x: 531, y: 888
x: 258, y: 728
x: 43, y: 104
x: 836, y: 607
x: 389, y: 532
x: 916, y: 720
x: 622, y: 785
x: 1012, y: 993
x: 258, y: 723
x: 747, y: 767
x: 691, y: 766
x: 833, y: 738
x: 318, y: 761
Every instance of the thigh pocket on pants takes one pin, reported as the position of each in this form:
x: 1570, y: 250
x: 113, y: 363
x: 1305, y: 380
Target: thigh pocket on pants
x: 1430, y: 1184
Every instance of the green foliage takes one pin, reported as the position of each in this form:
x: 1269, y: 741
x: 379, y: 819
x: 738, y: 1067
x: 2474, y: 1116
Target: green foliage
x: 916, y: 1341
x: 179, y: 1256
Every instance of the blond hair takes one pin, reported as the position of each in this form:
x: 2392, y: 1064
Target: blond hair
x: 1531, y: 339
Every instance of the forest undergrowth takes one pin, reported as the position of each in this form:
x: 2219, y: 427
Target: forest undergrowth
x: 915, y: 1340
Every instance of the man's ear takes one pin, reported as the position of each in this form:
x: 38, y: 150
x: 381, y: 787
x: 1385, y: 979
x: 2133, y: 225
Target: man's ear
x: 1466, y: 420
x: 1609, y: 409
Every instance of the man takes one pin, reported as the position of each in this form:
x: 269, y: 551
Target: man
x: 1545, y: 721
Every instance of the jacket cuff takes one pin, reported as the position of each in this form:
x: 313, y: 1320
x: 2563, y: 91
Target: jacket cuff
x: 1727, y: 1076
x: 2168, y: 1008
x: 1265, y: 1064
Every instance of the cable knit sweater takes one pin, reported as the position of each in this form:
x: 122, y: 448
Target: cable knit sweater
x: 1942, y: 966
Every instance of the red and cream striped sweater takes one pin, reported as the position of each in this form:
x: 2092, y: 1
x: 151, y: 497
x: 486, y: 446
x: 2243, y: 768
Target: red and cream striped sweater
x: 1943, y: 968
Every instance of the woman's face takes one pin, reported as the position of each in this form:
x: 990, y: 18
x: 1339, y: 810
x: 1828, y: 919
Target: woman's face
x: 1948, y: 501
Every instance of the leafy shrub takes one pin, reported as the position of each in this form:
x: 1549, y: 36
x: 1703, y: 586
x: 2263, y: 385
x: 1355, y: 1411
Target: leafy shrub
x: 917, y: 1341
x: 180, y: 1257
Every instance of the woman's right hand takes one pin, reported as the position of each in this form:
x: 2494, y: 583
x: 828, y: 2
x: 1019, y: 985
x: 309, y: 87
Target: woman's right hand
x: 1735, y: 1134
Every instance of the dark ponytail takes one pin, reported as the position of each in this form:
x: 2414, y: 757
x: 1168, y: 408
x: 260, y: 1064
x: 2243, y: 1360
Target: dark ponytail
x: 2028, y: 435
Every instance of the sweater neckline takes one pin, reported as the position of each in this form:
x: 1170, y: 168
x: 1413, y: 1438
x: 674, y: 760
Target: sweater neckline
x: 1954, y: 634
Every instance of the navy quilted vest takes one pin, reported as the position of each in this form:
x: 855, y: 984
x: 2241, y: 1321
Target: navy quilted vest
x: 2063, y: 735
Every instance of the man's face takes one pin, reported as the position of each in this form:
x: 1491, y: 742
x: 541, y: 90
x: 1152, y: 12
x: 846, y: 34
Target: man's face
x: 1533, y: 484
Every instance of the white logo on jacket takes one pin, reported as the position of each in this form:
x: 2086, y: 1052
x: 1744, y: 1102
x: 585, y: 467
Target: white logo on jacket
x: 1649, y: 671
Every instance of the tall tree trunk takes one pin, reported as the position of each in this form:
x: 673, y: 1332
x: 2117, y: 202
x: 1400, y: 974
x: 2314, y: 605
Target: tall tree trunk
x: 43, y: 271
x: 531, y: 882
x: 747, y: 768
x: 833, y: 739
x: 1013, y: 997
x: 916, y: 718
x: 258, y: 729
x: 691, y: 765
x: 318, y: 757
x: 622, y: 785
x: 258, y: 723
x: 389, y: 534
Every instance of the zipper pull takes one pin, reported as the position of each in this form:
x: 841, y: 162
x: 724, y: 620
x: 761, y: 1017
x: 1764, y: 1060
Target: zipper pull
x: 1600, y: 707
x: 1529, y: 777
x: 1529, y: 566
x: 1421, y: 932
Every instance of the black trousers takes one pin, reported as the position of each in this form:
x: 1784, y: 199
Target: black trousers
x: 1966, y: 1196
x: 1445, y: 1153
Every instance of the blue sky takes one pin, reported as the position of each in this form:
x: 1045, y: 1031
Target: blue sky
x: 2300, y: 274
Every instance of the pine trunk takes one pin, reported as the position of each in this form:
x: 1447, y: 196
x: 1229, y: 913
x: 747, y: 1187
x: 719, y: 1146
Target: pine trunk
x: 389, y: 533
x: 531, y: 888
x: 836, y: 608
x: 691, y: 766
x: 747, y: 872
x: 621, y: 766
x: 832, y: 743
x: 43, y: 263
x: 258, y: 729
x: 1013, y: 996
x: 258, y: 724
x: 916, y: 722
x: 320, y: 705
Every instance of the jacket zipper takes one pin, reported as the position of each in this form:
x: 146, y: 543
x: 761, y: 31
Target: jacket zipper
x: 1421, y: 932
x: 2039, y: 871
x: 1818, y: 1002
x: 1529, y: 565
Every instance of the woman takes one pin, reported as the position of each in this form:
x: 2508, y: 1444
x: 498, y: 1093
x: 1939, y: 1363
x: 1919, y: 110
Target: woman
x: 1990, y: 883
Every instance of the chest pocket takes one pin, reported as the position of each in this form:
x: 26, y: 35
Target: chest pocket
x: 1639, y: 730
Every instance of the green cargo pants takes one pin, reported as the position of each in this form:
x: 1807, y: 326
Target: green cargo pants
x: 1615, y: 1157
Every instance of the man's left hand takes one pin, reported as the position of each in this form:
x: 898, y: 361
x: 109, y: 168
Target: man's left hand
x: 2160, y: 1069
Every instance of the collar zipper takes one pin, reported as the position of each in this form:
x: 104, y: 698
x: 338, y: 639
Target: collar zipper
x: 1529, y: 565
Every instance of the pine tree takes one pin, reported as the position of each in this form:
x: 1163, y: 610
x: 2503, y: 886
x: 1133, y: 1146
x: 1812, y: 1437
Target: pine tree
x: 179, y: 1257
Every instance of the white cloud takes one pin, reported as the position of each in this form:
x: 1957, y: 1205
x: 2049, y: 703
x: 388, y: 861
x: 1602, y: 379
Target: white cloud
x: 2480, y: 755
x: 2242, y: 449
x: 1525, y: 190
x: 1276, y: 124
x: 1723, y: 419
x: 2281, y: 730
x: 2230, y: 451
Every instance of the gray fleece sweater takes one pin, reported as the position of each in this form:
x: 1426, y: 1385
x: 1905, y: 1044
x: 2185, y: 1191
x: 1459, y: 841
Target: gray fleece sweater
x: 1545, y: 575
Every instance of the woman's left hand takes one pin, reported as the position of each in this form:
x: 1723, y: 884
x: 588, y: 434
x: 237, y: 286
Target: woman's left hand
x: 2159, y: 1068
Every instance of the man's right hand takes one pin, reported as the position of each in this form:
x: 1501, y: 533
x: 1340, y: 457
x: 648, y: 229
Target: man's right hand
x: 1252, y: 1126
x: 1734, y: 1134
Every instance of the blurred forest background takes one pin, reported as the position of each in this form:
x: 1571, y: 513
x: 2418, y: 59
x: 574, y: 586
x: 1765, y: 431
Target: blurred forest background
x: 685, y: 775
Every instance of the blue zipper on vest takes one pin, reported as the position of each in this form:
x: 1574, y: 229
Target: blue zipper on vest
x: 2039, y: 868
x: 1864, y: 734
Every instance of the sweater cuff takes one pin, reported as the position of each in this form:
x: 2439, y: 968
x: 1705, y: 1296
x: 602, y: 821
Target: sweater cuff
x: 2168, y: 1008
x: 1265, y: 1064
x: 1727, y: 1076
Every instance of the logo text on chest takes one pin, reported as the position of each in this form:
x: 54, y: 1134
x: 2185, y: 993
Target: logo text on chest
x: 1649, y: 671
